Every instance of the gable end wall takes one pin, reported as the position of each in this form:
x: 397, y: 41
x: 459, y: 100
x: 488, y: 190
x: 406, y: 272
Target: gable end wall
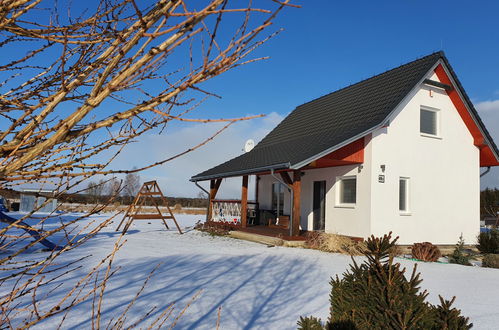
x: 444, y: 174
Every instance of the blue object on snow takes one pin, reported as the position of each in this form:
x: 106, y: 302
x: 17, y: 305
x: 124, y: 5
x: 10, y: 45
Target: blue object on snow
x: 2, y: 205
x: 32, y: 231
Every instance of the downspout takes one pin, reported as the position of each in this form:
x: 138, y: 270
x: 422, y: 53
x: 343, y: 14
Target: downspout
x: 486, y: 171
x: 207, y: 193
x: 291, y: 204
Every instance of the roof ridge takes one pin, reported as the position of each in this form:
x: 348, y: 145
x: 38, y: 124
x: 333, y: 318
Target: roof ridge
x: 440, y: 53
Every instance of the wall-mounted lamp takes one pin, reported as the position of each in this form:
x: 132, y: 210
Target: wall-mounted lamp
x: 383, y: 167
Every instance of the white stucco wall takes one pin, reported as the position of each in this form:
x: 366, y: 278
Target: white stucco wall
x: 351, y: 221
x: 444, y: 174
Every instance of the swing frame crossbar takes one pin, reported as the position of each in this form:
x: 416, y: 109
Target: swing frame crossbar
x: 148, y: 192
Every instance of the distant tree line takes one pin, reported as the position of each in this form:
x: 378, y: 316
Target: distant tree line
x: 121, y: 191
x: 125, y: 200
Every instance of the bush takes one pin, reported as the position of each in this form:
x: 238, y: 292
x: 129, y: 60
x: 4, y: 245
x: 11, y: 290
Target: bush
x: 489, y: 242
x: 377, y: 295
x: 334, y: 243
x: 216, y: 228
x: 491, y: 261
x: 425, y: 251
x: 459, y: 256
x: 310, y: 323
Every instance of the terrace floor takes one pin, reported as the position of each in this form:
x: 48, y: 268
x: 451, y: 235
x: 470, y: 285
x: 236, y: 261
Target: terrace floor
x: 282, y: 233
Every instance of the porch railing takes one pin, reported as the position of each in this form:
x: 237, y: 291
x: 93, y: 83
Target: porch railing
x: 229, y: 210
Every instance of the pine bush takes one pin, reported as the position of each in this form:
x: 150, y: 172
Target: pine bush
x: 377, y: 295
x: 459, y: 256
x: 446, y: 317
x: 310, y: 323
x: 489, y: 242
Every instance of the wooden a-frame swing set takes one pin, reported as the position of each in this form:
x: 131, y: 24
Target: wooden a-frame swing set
x: 148, y: 192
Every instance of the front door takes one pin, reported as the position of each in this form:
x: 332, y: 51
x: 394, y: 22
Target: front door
x: 319, y: 205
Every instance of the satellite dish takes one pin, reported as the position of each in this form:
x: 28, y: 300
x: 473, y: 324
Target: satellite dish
x: 249, y: 145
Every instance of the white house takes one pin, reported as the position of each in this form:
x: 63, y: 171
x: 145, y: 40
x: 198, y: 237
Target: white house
x: 399, y: 152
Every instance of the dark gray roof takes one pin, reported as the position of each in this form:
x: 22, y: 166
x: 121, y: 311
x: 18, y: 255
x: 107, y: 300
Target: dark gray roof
x: 330, y: 121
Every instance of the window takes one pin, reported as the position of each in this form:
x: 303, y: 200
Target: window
x: 428, y: 122
x: 347, y: 188
x: 278, y: 198
x: 404, y: 195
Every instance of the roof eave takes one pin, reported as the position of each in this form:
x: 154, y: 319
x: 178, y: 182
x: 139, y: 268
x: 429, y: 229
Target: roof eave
x: 321, y: 154
x: 241, y: 172
x: 470, y: 107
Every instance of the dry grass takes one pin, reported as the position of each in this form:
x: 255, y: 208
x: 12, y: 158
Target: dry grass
x: 334, y: 243
x: 177, y: 209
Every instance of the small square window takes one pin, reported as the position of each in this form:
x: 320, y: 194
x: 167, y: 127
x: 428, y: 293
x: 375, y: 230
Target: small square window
x: 428, y: 122
x: 347, y: 190
x: 404, y: 195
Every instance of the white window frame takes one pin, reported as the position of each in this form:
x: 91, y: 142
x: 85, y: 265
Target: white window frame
x: 438, y: 119
x: 407, y: 210
x: 339, y: 191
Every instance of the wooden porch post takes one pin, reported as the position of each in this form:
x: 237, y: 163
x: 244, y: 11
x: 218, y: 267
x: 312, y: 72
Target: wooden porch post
x: 214, y: 185
x: 244, y: 202
x: 295, y: 231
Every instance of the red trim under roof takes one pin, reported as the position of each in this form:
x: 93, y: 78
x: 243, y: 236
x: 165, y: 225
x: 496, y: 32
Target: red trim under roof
x: 352, y: 153
x: 487, y: 157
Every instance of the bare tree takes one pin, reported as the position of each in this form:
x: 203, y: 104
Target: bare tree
x: 79, y: 84
x: 96, y: 189
x: 131, y: 185
x: 74, y: 73
x: 113, y: 187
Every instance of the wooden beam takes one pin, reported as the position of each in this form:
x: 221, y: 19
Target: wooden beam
x: 286, y: 178
x: 214, y: 185
x: 295, y: 231
x: 151, y: 216
x: 437, y: 84
x: 244, y: 202
x: 217, y: 185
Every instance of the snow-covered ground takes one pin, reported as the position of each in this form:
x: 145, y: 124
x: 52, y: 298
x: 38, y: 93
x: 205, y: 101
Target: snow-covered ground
x: 258, y: 287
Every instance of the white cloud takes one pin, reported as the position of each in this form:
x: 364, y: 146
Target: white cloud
x: 489, y: 112
x: 487, y: 106
x: 173, y: 177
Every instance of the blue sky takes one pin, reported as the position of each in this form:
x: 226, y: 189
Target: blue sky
x: 327, y: 45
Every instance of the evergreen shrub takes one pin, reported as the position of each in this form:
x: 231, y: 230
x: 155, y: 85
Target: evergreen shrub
x: 488, y: 242
x: 459, y: 256
x: 377, y: 295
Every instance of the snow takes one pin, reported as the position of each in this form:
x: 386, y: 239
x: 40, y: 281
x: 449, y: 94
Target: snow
x: 258, y: 287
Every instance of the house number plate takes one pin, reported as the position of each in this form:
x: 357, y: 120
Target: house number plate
x: 381, y: 178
